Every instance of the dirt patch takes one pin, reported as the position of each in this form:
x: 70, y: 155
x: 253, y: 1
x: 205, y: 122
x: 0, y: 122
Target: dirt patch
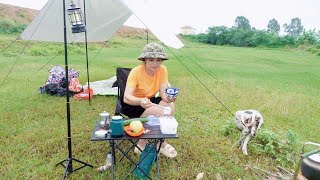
x: 127, y: 31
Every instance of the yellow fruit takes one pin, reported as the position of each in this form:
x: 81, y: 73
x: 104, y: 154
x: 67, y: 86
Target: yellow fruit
x: 136, y: 126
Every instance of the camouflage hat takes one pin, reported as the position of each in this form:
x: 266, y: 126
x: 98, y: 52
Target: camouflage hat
x: 153, y: 50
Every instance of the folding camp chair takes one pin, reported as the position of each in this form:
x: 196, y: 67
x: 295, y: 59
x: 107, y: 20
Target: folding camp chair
x: 122, y: 76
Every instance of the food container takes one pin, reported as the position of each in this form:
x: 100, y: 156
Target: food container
x: 168, y: 125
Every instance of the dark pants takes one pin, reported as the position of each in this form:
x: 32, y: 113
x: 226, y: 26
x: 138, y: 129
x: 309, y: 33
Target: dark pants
x: 136, y: 111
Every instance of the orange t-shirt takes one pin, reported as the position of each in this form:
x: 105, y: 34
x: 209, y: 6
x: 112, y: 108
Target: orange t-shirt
x: 145, y: 85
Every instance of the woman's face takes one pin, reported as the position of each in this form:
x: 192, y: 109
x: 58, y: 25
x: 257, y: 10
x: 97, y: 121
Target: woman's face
x: 152, y: 64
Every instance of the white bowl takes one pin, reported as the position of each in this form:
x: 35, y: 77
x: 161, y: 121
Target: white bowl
x: 101, y: 133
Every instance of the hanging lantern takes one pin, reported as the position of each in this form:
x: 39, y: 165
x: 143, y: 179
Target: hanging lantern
x: 75, y: 17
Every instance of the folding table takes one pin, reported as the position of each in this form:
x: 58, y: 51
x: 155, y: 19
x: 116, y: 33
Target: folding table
x: 154, y: 136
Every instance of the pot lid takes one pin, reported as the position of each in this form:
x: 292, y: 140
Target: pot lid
x: 116, y: 117
x: 104, y: 114
x: 315, y: 158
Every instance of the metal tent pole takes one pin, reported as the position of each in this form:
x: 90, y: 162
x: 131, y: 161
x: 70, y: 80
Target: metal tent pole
x: 68, y: 167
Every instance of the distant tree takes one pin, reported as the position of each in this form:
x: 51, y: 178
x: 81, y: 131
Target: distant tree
x: 242, y: 22
x: 318, y: 36
x: 273, y: 26
x: 308, y: 37
x: 295, y: 28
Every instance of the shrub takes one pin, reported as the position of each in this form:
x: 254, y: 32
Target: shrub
x: 268, y: 143
x: 7, y: 26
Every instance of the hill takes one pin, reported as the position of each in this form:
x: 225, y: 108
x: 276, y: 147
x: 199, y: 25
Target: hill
x: 18, y: 14
x: 24, y: 16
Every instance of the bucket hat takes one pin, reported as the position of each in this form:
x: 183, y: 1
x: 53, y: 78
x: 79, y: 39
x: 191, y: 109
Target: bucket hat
x: 153, y: 50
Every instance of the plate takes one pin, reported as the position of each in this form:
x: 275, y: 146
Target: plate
x: 130, y: 133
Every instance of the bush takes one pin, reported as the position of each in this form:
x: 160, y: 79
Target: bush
x: 221, y: 35
x: 46, y: 49
x: 314, y: 49
x: 8, y: 27
x: 270, y: 143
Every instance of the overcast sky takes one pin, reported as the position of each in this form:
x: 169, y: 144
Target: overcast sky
x: 202, y: 14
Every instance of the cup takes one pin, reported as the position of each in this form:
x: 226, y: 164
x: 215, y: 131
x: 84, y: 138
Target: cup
x: 172, y: 92
x: 105, y: 119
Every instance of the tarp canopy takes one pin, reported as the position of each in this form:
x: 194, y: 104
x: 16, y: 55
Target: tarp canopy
x: 103, y: 17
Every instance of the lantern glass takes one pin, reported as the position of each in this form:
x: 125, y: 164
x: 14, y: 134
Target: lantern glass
x: 75, y: 18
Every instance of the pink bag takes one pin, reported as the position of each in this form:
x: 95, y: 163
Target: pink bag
x: 75, y: 86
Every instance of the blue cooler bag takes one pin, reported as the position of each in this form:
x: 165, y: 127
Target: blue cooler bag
x: 147, y: 162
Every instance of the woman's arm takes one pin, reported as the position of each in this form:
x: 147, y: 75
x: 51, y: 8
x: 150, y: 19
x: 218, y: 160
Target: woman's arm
x: 162, y: 91
x: 129, y: 98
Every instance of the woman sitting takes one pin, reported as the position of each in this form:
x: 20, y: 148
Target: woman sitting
x: 144, y: 82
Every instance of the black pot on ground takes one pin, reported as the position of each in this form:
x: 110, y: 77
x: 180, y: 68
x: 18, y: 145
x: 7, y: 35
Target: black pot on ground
x: 310, y: 167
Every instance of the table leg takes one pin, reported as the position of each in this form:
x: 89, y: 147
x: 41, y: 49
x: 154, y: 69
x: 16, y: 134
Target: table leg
x: 134, y: 144
x: 157, y: 158
x: 113, y: 163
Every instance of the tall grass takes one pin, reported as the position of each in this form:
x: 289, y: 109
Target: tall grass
x: 282, y: 84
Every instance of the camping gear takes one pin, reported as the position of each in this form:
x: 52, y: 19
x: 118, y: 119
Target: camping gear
x: 72, y: 17
x: 309, y: 163
x: 56, y: 82
x: 147, y: 160
x: 249, y: 121
x: 84, y: 95
x: 116, y: 126
x: 104, y: 87
x: 121, y: 148
x: 105, y: 118
x: 168, y: 125
x: 75, y: 85
x: 122, y: 76
x: 48, y: 24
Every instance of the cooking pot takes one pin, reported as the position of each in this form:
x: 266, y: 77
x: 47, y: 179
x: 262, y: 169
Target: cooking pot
x: 309, y: 163
x: 310, y: 167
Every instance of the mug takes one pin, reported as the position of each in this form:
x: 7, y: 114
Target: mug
x: 105, y: 117
x: 116, y: 126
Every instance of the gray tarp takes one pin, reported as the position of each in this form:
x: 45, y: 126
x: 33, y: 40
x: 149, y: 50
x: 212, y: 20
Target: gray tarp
x: 104, y: 17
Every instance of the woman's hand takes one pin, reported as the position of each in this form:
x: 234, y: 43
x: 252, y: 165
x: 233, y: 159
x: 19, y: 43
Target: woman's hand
x: 171, y: 99
x: 145, y: 103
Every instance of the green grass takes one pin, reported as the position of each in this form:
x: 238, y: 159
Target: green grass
x: 282, y: 84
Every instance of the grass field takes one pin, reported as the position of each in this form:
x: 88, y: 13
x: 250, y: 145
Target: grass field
x: 283, y: 84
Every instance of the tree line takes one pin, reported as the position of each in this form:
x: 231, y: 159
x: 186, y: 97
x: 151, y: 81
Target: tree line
x: 243, y: 35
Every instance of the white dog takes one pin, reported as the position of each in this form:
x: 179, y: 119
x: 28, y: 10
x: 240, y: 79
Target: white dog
x: 249, y: 121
